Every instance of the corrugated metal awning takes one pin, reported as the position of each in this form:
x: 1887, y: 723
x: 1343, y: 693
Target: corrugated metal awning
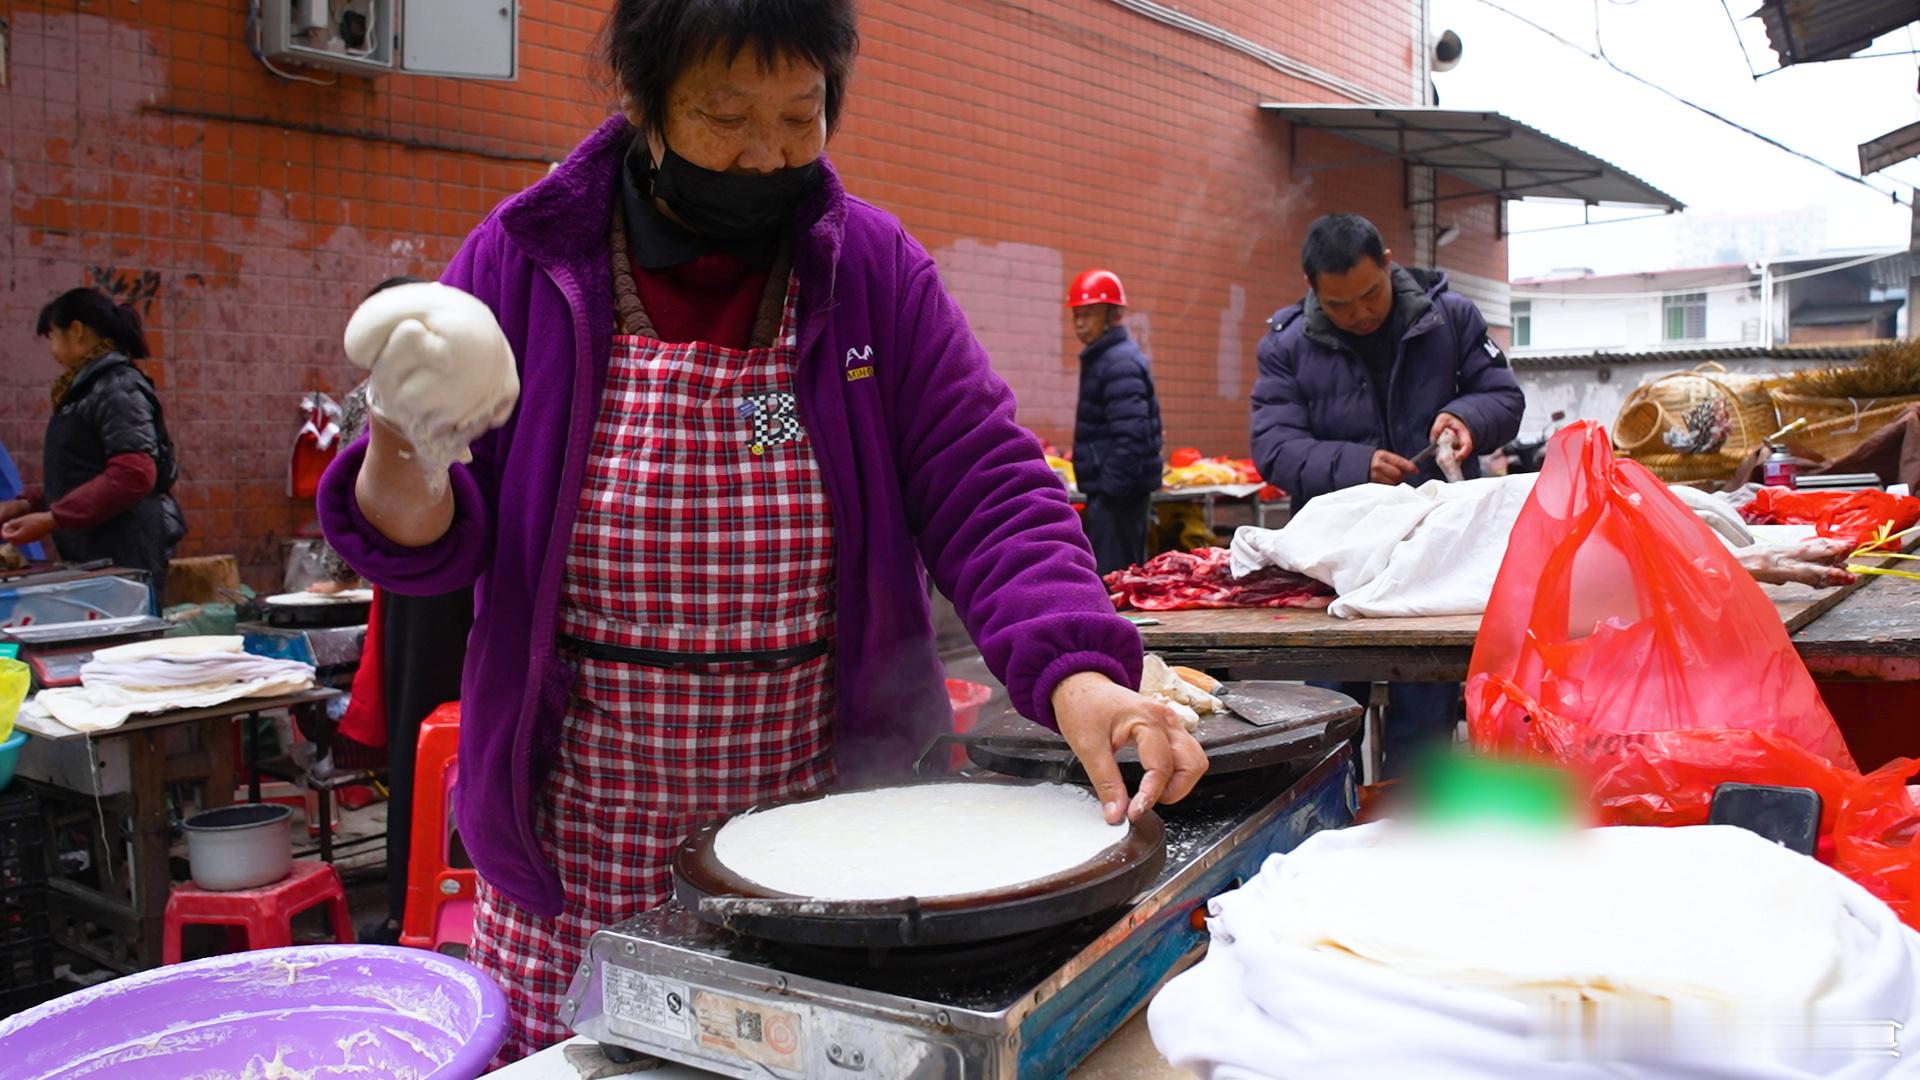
x: 1491, y: 152
x: 1681, y: 359
x: 1890, y: 149
x: 1807, y: 31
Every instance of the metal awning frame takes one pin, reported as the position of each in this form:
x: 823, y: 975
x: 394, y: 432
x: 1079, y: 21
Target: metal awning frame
x: 1539, y: 176
x: 1514, y: 180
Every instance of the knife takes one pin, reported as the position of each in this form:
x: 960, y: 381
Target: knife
x: 1262, y: 704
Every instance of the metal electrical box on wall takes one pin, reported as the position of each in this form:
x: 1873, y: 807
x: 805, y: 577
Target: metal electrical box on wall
x: 458, y: 39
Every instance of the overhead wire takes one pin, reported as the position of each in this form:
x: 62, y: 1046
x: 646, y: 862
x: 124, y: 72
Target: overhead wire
x: 1734, y: 25
x: 1655, y: 216
x: 1601, y: 56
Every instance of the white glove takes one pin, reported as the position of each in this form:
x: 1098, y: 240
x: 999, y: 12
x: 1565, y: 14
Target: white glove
x: 443, y: 373
x: 1718, y: 514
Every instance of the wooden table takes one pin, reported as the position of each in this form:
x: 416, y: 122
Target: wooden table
x: 126, y: 906
x: 1867, y: 630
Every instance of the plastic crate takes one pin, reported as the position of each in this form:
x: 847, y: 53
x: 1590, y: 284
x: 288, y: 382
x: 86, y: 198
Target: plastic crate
x: 26, y: 964
x: 24, y: 915
x: 23, y: 840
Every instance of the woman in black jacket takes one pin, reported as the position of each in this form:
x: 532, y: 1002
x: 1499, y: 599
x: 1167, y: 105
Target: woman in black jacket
x: 109, y: 462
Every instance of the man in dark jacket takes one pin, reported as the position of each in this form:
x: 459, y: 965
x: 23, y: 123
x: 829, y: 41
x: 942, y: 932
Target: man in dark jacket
x: 1374, y: 364
x: 1116, y: 432
x: 1355, y: 381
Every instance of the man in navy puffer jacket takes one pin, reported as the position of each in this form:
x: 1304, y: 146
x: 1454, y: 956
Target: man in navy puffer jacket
x: 1355, y: 381
x: 1116, y: 432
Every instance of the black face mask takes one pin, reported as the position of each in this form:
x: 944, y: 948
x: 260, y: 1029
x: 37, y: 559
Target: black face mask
x: 730, y: 206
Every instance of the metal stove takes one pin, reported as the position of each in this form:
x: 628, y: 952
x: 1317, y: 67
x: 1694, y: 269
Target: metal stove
x: 671, y: 986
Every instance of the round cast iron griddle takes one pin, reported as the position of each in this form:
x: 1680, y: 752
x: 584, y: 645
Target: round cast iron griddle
x: 317, y: 614
x: 715, y: 894
x: 1012, y: 745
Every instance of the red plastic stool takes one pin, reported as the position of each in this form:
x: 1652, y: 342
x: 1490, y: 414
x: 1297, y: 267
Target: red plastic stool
x: 439, y: 893
x: 266, y: 913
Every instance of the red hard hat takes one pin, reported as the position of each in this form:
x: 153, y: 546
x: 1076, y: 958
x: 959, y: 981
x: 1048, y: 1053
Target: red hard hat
x: 1097, y: 287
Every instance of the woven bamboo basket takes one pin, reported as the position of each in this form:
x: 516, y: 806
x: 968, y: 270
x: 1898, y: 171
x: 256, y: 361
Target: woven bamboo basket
x: 1689, y: 468
x: 1837, y: 425
x: 1662, y: 404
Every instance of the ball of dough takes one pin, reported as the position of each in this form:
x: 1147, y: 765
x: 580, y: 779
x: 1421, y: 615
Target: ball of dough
x: 443, y: 373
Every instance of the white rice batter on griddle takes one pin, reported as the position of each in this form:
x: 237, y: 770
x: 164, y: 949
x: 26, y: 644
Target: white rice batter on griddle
x: 923, y: 840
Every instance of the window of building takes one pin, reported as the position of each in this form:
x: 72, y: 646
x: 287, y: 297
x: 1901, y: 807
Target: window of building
x: 1522, y: 323
x: 1685, y: 316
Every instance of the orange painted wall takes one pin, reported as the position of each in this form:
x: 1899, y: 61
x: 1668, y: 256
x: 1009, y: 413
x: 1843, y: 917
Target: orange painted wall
x: 144, y: 149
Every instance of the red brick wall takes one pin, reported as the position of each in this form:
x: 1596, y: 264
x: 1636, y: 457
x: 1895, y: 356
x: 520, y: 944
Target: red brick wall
x: 144, y: 149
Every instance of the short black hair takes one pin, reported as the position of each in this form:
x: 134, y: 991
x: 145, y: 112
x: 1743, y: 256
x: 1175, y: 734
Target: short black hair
x: 1336, y: 243
x: 392, y: 282
x: 647, y: 43
x: 118, y: 324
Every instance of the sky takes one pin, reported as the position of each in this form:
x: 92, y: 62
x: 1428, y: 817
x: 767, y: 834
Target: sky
x: 1686, y: 46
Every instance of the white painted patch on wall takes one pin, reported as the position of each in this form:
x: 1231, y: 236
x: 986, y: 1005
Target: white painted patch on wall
x: 1140, y: 328
x: 1012, y: 295
x: 1230, y: 365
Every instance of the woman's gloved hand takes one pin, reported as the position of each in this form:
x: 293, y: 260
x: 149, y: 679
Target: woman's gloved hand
x: 1820, y: 562
x: 442, y: 372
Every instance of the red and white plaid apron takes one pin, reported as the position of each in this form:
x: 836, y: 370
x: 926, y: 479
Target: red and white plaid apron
x: 703, y: 530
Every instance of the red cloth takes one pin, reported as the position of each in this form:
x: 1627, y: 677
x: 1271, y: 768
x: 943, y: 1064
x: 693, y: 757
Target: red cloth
x: 712, y: 299
x: 1853, y: 516
x: 365, y: 720
x: 126, y: 480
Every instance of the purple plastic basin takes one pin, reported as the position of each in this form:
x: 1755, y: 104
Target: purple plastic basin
x: 319, y: 1011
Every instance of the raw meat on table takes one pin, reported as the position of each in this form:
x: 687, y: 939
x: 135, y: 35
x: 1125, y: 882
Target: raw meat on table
x: 1178, y: 580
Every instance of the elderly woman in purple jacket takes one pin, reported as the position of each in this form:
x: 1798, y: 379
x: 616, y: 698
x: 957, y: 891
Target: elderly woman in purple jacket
x: 748, y: 416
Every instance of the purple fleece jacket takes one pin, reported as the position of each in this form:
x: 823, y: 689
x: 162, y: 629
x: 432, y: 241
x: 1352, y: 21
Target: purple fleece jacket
x: 914, y: 432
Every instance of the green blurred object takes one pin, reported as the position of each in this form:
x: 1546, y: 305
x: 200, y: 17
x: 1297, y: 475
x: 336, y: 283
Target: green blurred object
x: 195, y: 620
x: 9, y: 651
x: 1458, y: 788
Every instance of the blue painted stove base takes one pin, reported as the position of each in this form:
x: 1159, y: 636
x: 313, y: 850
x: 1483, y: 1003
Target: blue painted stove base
x: 1064, y: 1030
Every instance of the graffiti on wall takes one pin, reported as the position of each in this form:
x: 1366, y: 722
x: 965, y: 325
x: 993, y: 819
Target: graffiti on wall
x: 137, y: 289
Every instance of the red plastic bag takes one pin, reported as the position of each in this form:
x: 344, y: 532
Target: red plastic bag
x: 1617, y: 611
x: 1873, y: 837
x: 1853, y: 516
x: 1666, y: 778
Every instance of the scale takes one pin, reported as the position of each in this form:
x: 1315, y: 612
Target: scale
x: 1030, y: 1005
x: 55, y: 652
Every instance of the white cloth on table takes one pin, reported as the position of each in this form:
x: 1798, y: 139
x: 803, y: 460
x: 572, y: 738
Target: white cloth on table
x: 164, y: 675
x: 1390, y: 550
x: 102, y: 708
x: 1393, y: 950
x: 162, y: 672
x: 198, y: 645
